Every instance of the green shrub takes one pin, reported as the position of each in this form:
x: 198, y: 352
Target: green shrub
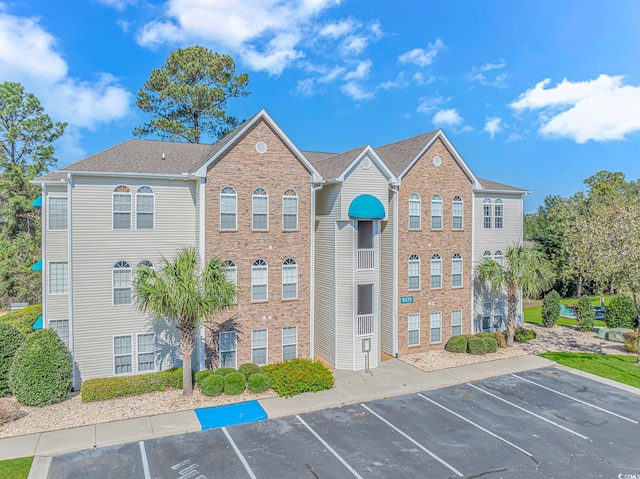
x: 23, y: 319
x: 500, y: 339
x: 456, y: 344
x: 234, y: 383
x: 584, y: 313
x: 200, y: 375
x: 298, y: 376
x: 248, y: 369
x: 171, y: 378
x: 621, y: 313
x: 40, y: 373
x: 259, y: 383
x: 10, y: 341
x: 522, y: 335
x: 224, y: 371
x: 483, y: 334
x: 550, y: 308
x: 476, y: 345
x: 99, y: 389
x: 631, y: 342
x: 491, y: 345
x: 212, y: 384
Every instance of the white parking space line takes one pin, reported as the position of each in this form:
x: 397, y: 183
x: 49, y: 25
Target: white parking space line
x: 145, y: 461
x: 238, y: 453
x: 500, y: 438
x: 441, y: 461
x: 528, y: 412
x: 576, y: 399
x: 330, y: 449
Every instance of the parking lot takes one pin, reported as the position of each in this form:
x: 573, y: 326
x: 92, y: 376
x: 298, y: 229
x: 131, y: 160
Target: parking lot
x: 541, y: 423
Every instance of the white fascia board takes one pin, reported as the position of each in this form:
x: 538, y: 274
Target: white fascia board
x: 127, y: 174
x: 368, y: 150
x: 504, y: 192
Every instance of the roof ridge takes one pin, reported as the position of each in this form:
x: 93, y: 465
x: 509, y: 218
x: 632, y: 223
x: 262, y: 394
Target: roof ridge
x: 408, y: 139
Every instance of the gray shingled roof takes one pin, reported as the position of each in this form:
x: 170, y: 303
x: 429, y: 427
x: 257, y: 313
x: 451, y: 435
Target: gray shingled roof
x: 494, y: 185
x: 332, y: 166
x: 398, y: 155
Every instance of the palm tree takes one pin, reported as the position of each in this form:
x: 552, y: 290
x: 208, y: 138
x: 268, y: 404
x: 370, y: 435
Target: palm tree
x: 183, y: 294
x: 524, y: 269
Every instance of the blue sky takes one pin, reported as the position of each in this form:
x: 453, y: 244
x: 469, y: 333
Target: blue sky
x: 539, y: 95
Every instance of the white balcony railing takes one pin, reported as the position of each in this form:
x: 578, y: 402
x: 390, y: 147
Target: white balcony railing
x: 365, y: 259
x: 366, y: 324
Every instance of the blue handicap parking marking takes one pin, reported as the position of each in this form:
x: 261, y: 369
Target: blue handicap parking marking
x: 230, y: 415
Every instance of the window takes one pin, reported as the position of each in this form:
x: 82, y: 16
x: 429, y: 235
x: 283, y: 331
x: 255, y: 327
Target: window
x: 58, y: 277
x: 365, y: 318
x: 231, y: 274
x: 228, y: 342
x: 365, y: 245
x: 259, y: 280
x: 487, y: 212
x: 456, y: 322
x: 289, y: 343
x: 260, y: 209
x: 61, y: 327
x: 146, y: 352
x: 457, y: 212
x: 486, y: 255
x: 414, y: 212
x: 289, y: 279
x: 122, y: 361
x: 436, y: 271
x: 259, y: 347
x: 497, y: 315
x: 498, y: 257
x: 414, y: 271
x: 486, y: 316
x: 456, y: 271
x: 497, y: 214
x: 228, y: 209
x: 57, y: 213
x: 436, y: 328
x: 413, y: 327
x: 144, y: 208
x: 146, y: 262
x: 121, y: 283
x: 121, y: 208
x: 290, y: 211
x: 436, y: 212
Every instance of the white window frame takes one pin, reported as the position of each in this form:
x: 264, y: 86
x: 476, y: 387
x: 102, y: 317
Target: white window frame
x: 257, y: 266
x: 415, y: 210
x: 456, y: 271
x: 487, y: 314
x: 61, y: 327
x: 486, y: 255
x: 62, y: 217
x: 228, y: 193
x: 261, y: 195
x: 260, y: 347
x: 230, y: 271
x: 146, y: 192
x: 124, y: 191
x: 414, y: 261
x: 498, y: 258
x: 435, y: 324
x: 152, y: 352
x: 457, y: 211
x: 62, y: 276
x: 289, y: 196
x: 498, y: 214
x: 235, y: 350
x: 130, y: 354
x: 147, y: 263
x: 436, y: 271
x: 121, y: 266
x: 487, y: 214
x: 415, y: 327
x: 290, y: 265
x: 456, y: 322
x: 295, y: 328
x: 436, y: 207
x: 498, y: 319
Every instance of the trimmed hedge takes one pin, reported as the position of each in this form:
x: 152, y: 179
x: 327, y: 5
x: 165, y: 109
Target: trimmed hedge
x: 224, y: 371
x: 23, y: 319
x: 100, y: 389
x: 297, y: 376
x: 491, y: 344
x: 456, y: 344
x: 10, y: 341
x: 249, y: 369
x: 476, y: 346
x: 631, y: 342
x: 212, y: 384
x: 621, y: 313
x: 234, y: 383
x: 40, y: 373
x: 500, y: 339
x: 584, y: 313
x: 201, y: 375
x: 551, y: 308
x: 259, y: 383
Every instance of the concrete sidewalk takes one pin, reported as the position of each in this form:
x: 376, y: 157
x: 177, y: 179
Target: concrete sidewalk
x: 392, y: 378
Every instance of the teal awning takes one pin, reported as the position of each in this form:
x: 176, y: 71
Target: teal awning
x: 37, y: 203
x: 38, y: 324
x: 366, y: 207
x: 37, y: 266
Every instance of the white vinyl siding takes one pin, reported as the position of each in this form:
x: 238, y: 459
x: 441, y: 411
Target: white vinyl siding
x: 228, y: 345
x: 457, y: 211
x: 456, y: 322
x: 121, y: 283
x: 259, y: 280
x: 122, y: 355
x: 290, y: 211
x: 61, y: 327
x: 289, y: 279
x: 436, y: 271
x: 289, y: 342
x: 146, y: 349
x: 58, y: 213
x: 259, y: 347
x: 436, y: 212
x: 413, y: 326
x: 414, y: 272
x: 414, y: 212
x: 228, y: 209
x: 121, y: 208
x: 260, y: 210
x: 58, y: 277
x: 435, y: 328
x: 145, y: 208
x: 456, y: 271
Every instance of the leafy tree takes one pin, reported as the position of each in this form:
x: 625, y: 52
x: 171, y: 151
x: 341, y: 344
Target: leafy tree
x: 181, y: 293
x: 187, y: 96
x: 621, y: 313
x: 524, y: 270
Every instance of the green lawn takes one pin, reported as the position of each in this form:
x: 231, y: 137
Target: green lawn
x: 15, y: 468
x: 534, y: 314
x: 623, y: 369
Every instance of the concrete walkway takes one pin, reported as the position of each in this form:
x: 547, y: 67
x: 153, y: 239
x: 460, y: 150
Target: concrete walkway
x: 392, y: 378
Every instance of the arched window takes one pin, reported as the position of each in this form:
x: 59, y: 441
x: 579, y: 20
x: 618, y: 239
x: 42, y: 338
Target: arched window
x: 414, y: 212
x: 486, y: 255
x: 497, y: 214
x: 260, y: 209
x: 289, y: 279
x: 146, y: 262
x: 486, y: 207
x: 456, y: 271
x: 290, y: 210
x: 230, y: 271
x: 228, y: 209
x: 121, y: 283
x: 121, y: 208
x: 436, y: 212
x: 145, y: 208
x: 259, y: 280
x: 414, y: 271
x: 436, y: 271
x: 498, y: 257
x: 457, y: 212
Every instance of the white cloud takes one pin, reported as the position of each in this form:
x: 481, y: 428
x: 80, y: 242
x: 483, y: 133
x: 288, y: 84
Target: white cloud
x: 428, y: 103
x: 487, y: 74
x: 449, y: 117
x: 306, y: 87
x: 354, y: 44
x: 514, y: 137
x: 399, y: 82
x: 356, y: 91
x: 339, y: 29
x: 361, y: 72
x: 118, y: 4
x: 493, y: 66
x: 420, y: 79
x: 493, y: 125
x: 422, y: 57
x: 599, y: 109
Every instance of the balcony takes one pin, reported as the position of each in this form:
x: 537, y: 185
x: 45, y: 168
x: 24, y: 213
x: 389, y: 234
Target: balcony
x: 366, y: 324
x: 365, y: 259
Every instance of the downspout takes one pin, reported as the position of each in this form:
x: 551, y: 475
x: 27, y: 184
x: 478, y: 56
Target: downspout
x: 312, y: 299
x: 394, y: 270
x: 473, y: 260
x: 201, y: 254
x: 44, y: 254
x: 70, y: 273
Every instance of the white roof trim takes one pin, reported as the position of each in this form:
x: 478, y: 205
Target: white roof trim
x: 368, y: 150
